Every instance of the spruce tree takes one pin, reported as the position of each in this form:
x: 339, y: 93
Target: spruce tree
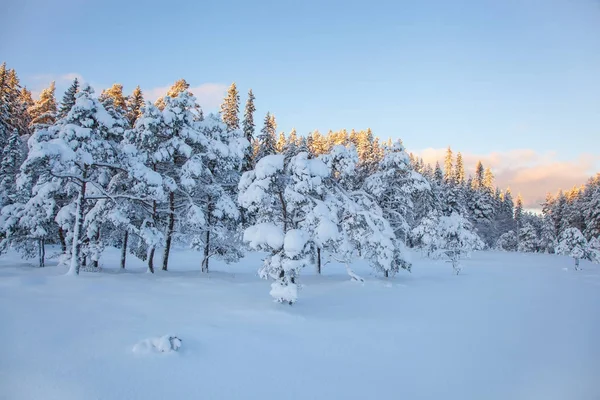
x: 438, y: 175
x: 459, y: 170
x: 178, y: 87
x: 230, y: 108
x: 68, y: 100
x: 248, y: 129
x: 281, y: 143
x: 43, y: 112
x: 488, y: 180
x: 448, y: 169
x: 115, y: 92
x: 12, y: 157
x: 266, y: 142
x: 478, y: 181
x: 135, y: 102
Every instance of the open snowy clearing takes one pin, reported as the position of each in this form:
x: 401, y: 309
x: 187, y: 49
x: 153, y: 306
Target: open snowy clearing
x: 511, y: 326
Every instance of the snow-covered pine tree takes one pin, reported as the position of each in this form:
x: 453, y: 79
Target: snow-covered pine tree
x: 135, y: 102
x: 448, y: 169
x: 266, y: 141
x: 214, y: 169
x: 459, y: 170
x: 248, y: 129
x: 44, y: 111
x: 438, y: 175
x: 143, y: 144
x: 77, y: 149
x: 115, y: 92
x: 12, y: 157
x: 178, y: 87
x: 572, y: 243
x: 230, y: 108
x: 393, y: 185
x: 591, y: 211
x: 507, y: 241
x: 286, y: 200
x: 454, y: 239
x: 528, y: 240
x: 362, y: 229
x: 68, y: 100
x: 479, y: 176
x: 281, y: 143
x: 547, y: 241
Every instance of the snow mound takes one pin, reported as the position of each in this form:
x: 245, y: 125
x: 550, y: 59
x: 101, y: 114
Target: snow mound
x: 284, y: 293
x: 162, y: 344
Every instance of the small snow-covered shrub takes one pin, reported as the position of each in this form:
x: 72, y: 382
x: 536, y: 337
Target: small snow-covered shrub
x: 161, y: 344
x: 507, y: 241
x: 452, y: 239
x: 571, y: 242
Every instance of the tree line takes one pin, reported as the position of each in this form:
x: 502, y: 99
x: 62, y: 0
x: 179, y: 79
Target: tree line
x: 114, y: 170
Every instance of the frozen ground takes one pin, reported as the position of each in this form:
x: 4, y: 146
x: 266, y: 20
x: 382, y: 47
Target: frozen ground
x: 513, y: 326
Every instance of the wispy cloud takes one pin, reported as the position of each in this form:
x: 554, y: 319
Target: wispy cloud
x: 36, y: 83
x: 526, y: 171
x: 208, y: 95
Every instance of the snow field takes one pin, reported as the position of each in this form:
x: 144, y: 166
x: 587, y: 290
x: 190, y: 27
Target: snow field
x: 511, y: 326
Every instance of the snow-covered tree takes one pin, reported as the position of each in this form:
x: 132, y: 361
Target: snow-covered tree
x: 547, y: 241
x: 68, y: 100
x: 12, y: 157
x: 393, y: 185
x: 507, y: 241
x: 363, y: 231
x: 79, y: 149
x: 266, y: 142
x: 448, y: 169
x: 453, y: 239
x: 135, y: 102
x: 288, y: 209
x: 459, y: 170
x: 591, y: 211
x: 528, y: 240
x: 572, y: 243
x: 248, y: 129
x: 44, y: 111
x: 230, y: 108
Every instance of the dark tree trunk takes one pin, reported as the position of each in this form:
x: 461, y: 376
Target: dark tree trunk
x: 206, y: 252
x: 78, y: 231
x: 170, y: 230
x: 386, y: 274
x: 124, y: 250
x: 97, y: 239
x: 318, y: 260
x: 63, y: 242
x: 42, y: 252
x: 152, y: 249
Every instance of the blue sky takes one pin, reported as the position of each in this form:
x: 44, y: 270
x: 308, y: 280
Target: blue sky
x: 481, y: 76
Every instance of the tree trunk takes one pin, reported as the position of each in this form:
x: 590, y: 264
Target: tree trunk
x: 78, y: 231
x: 63, y: 242
x: 318, y: 260
x: 386, y: 273
x: 206, y: 252
x: 42, y: 252
x: 124, y: 249
x: 577, y: 264
x: 151, y: 259
x: 153, y: 248
x: 97, y: 239
x: 170, y: 230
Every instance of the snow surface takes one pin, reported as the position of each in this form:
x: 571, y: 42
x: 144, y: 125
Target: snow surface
x: 512, y: 326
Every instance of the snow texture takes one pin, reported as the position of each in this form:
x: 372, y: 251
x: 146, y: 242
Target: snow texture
x: 505, y: 330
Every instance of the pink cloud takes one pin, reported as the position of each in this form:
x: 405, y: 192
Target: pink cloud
x: 526, y: 171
